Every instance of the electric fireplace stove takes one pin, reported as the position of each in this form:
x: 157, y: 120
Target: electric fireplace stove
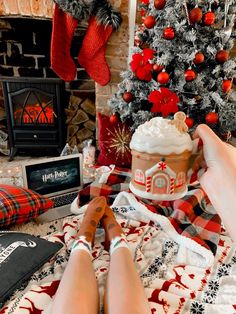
x: 35, y: 117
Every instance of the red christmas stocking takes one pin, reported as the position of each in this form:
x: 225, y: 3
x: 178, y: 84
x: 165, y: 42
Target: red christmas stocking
x: 63, y: 29
x: 92, y: 53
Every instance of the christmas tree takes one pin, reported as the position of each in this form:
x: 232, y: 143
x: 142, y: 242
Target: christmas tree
x: 181, y: 62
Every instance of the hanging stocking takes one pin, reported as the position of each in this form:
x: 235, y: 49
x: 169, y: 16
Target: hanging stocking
x: 92, y: 53
x: 63, y: 29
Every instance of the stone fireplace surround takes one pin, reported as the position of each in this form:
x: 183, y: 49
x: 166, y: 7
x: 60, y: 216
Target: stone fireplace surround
x: 36, y: 15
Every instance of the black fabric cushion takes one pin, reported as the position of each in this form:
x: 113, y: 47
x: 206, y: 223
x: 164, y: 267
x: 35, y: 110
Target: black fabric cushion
x: 21, y: 254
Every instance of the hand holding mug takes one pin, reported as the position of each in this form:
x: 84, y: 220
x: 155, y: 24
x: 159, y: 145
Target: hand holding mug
x: 219, y: 179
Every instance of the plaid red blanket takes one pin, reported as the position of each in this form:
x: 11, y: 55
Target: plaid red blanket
x: 192, y: 217
x: 117, y: 181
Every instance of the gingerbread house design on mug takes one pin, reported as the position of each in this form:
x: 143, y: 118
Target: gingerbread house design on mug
x: 161, y: 149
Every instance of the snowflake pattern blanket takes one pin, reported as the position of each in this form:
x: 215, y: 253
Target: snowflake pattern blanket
x: 171, y: 270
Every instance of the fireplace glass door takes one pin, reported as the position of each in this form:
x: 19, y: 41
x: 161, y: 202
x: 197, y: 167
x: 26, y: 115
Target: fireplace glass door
x: 35, y: 116
x: 33, y: 107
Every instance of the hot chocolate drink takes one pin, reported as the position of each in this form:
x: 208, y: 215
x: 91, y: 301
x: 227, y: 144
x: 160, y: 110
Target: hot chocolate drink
x: 161, y: 149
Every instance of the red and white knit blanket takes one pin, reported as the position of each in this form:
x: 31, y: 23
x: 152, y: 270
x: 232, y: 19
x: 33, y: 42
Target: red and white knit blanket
x: 186, y: 262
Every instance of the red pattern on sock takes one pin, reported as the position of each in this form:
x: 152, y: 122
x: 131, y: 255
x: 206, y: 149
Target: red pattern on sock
x: 94, y: 213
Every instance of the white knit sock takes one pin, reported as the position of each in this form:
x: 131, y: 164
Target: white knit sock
x: 117, y: 243
x: 82, y: 244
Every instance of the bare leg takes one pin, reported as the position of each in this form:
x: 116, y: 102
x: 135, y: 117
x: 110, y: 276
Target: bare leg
x: 78, y: 292
x: 124, y: 292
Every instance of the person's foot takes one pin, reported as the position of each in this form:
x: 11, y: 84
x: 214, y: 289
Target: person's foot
x: 111, y: 227
x: 93, y: 215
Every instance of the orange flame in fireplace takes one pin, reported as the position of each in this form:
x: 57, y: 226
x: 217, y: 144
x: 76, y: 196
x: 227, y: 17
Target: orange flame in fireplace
x: 36, y: 113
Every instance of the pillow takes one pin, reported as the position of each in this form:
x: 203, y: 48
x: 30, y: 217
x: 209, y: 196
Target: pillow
x: 113, y: 140
x: 19, y: 205
x: 21, y: 255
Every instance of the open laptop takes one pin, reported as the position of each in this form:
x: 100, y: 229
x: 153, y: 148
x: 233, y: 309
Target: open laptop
x: 59, y: 178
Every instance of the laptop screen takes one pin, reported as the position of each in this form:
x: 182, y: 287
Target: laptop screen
x: 54, y: 176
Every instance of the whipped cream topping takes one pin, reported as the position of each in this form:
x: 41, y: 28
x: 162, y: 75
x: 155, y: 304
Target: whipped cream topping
x: 160, y: 137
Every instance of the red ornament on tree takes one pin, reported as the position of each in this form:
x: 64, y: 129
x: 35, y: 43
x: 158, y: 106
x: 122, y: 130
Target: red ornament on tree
x: 114, y: 119
x: 169, y: 33
x: 189, y: 122
x: 195, y: 15
x: 149, y: 21
x: 157, y: 68
x: 222, y: 56
x: 163, y: 78
x: 190, y: 75
x: 199, y: 58
x: 159, y: 4
x: 226, y: 86
x: 211, y: 118
x: 209, y: 18
x: 127, y: 96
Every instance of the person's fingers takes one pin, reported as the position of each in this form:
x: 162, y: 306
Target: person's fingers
x: 207, y: 135
x: 213, y: 147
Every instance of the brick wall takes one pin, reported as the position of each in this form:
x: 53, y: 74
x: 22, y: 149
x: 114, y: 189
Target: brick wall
x: 27, y: 8
x: 24, y: 48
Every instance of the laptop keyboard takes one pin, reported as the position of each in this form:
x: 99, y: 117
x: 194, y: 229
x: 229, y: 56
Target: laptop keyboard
x: 64, y: 199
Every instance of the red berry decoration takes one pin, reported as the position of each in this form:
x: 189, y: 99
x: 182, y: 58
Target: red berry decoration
x: 190, y: 75
x: 157, y: 68
x: 114, y: 119
x: 209, y: 18
x: 226, y: 86
x: 169, y: 33
x: 199, y: 58
x: 211, y: 118
x: 163, y: 78
x: 195, y: 15
x: 222, y: 56
x: 159, y: 4
x: 128, y: 96
x: 149, y: 21
x: 189, y: 122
